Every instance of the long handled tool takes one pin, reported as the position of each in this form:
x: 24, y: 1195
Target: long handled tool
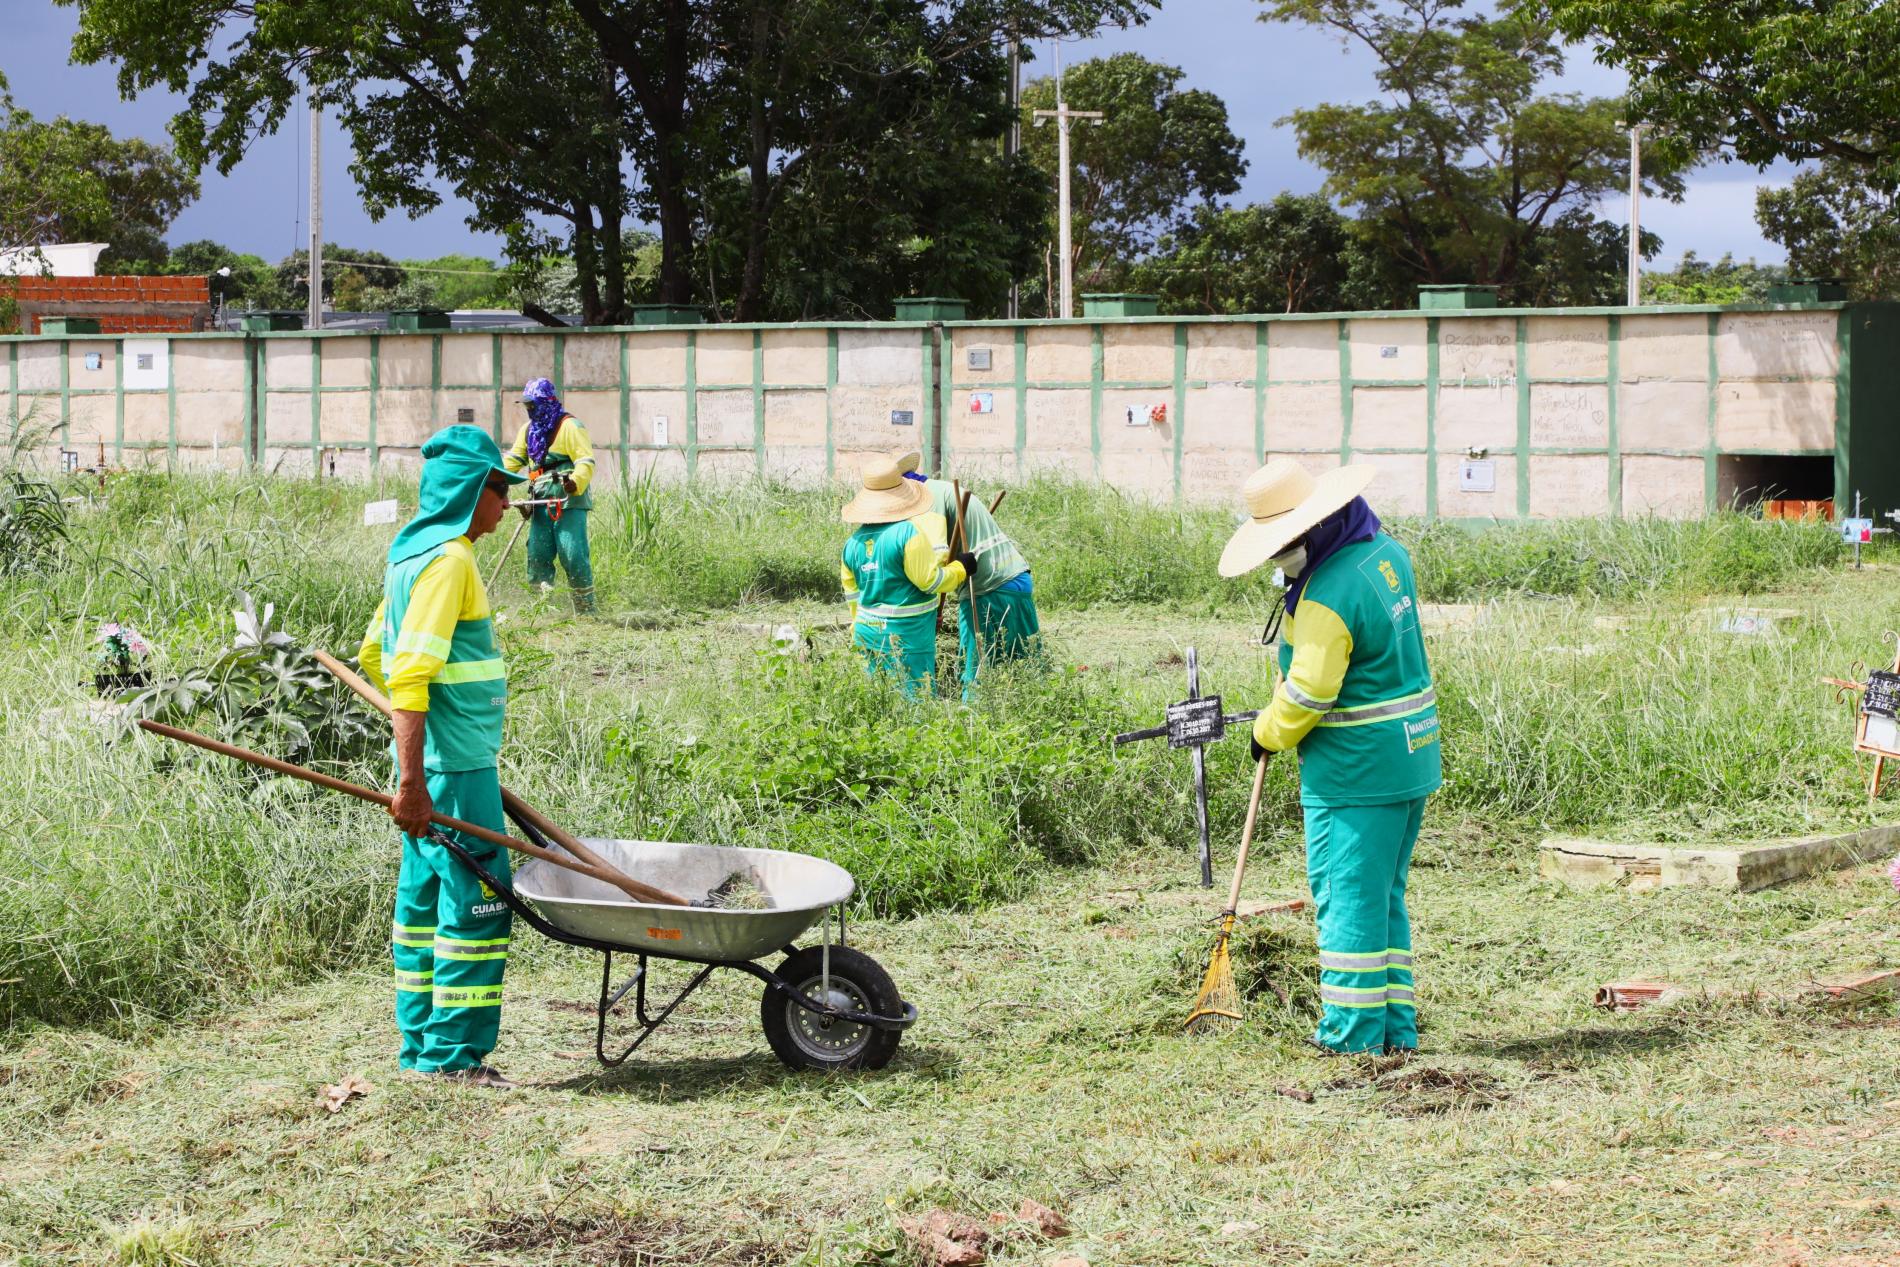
x: 505, y: 552
x: 1219, y: 996
x: 519, y: 808
x: 647, y: 893
x: 963, y: 541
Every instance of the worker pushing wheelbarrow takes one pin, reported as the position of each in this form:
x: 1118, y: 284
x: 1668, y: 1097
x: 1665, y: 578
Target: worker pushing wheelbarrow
x: 431, y: 646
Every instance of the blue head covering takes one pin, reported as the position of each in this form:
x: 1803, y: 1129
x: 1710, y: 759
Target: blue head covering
x: 456, y: 463
x: 544, y: 417
x: 1352, y: 522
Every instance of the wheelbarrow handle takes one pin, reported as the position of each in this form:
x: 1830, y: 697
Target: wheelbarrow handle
x: 517, y: 807
x: 374, y: 797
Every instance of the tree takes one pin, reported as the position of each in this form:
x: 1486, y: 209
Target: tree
x: 349, y: 277
x: 1289, y: 255
x: 1697, y: 281
x: 1465, y: 172
x: 1765, y: 79
x: 252, y: 283
x: 1162, y: 155
x: 1837, y: 220
x: 560, y: 121
x: 63, y: 180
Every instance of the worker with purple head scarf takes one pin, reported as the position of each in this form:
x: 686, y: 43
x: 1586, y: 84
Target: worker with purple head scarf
x: 553, y: 448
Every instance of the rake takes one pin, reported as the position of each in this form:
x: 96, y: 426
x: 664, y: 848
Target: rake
x: 1219, y: 996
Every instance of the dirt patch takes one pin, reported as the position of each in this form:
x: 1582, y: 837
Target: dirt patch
x: 612, y: 1240
x: 1425, y: 1091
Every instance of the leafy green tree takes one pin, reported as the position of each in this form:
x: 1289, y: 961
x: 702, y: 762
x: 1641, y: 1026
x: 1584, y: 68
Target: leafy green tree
x: 252, y: 283
x: 1288, y: 255
x: 1162, y: 154
x: 562, y: 121
x: 1698, y: 281
x: 1465, y: 171
x: 63, y: 180
x: 463, y: 281
x: 1761, y: 79
x: 349, y: 277
x: 1837, y: 220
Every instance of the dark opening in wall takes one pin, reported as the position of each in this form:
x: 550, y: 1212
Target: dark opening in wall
x: 1742, y: 480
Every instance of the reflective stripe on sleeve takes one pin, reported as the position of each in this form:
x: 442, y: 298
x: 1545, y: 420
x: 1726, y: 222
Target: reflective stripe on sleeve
x: 1304, y: 700
x: 421, y: 642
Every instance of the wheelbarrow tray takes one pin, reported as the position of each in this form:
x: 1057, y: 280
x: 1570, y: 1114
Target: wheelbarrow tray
x: 801, y: 889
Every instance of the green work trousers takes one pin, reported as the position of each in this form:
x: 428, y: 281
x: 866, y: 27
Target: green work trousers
x: 566, y: 539
x: 1356, y: 861
x: 450, y: 938
x: 905, y: 646
x: 1011, y: 630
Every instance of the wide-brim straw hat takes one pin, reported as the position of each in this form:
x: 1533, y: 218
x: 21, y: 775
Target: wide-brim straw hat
x: 908, y: 460
x: 886, y: 496
x: 1285, y: 501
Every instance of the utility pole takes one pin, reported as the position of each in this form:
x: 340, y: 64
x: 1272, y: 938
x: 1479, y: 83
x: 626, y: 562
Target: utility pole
x: 1063, y: 115
x: 1013, y: 143
x: 1636, y: 231
x: 314, y: 318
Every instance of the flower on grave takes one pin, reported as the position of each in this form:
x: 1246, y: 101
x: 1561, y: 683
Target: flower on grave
x: 1893, y: 871
x: 121, y: 647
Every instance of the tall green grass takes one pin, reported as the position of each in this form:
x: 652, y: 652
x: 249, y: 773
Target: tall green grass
x: 140, y: 882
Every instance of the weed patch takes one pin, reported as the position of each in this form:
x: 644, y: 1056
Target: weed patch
x: 608, y: 1239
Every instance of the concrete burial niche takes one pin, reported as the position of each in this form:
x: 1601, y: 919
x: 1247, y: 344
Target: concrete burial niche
x: 1743, y: 867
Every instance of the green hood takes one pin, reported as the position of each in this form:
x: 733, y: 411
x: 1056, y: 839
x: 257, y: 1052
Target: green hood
x: 456, y: 462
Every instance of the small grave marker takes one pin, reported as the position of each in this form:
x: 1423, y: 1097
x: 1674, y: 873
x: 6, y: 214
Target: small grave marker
x: 1194, y: 723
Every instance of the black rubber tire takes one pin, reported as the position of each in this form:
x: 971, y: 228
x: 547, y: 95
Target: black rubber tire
x: 803, y: 1040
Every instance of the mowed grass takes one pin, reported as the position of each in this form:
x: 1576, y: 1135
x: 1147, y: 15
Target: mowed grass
x: 187, y: 956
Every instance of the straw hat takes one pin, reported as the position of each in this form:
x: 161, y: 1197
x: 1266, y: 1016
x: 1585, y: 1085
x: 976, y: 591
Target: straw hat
x: 1286, y: 502
x: 908, y: 460
x: 886, y: 496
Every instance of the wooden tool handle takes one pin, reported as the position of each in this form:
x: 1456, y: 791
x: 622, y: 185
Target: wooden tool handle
x: 1246, y: 835
x: 514, y: 804
x: 374, y: 797
x: 998, y: 501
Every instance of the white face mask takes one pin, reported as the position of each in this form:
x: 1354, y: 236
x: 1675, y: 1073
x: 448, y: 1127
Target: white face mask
x: 1292, y: 560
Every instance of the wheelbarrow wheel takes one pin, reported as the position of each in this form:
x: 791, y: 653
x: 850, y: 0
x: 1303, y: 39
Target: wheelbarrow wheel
x: 802, y: 1039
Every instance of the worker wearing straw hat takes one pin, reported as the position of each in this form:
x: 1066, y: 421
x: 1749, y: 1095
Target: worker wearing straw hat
x: 431, y: 646
x: 1005, y: 603
x: 1356, y: 699
x: 892, y: 572
x: 554, y: 448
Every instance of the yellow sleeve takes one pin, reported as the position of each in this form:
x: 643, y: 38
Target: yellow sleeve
x: 370, y: 654
x: 517, y: 457
x: 1322, y: 647
x: 933, y: 526
x: 923, y: 565
x: 849, y: 580
x: 572, y: 440
x: 439, y: 599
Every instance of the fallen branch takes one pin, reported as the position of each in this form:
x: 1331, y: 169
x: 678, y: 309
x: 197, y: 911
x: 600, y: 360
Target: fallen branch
x: 1629, y: 996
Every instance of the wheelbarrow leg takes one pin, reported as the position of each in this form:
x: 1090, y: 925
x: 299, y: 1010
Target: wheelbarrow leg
x: 610, y: 998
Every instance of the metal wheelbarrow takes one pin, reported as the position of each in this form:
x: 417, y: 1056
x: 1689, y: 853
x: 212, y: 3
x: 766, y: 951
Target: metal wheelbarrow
x: 824, y: 1007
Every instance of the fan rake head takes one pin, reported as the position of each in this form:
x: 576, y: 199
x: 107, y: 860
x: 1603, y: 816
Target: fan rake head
x: 1217, y: 1006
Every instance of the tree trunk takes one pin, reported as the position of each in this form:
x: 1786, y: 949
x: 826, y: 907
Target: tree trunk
x: 759, y: 169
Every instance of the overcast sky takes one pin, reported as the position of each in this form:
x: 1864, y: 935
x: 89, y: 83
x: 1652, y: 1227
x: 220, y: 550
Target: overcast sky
x: 1262, y: 71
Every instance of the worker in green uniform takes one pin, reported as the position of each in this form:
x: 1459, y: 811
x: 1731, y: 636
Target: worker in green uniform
x: 892, y: 571
x: 431, y: 647
x: 554, y: 449
x: 1004, y: 595
x: 1356, y: 699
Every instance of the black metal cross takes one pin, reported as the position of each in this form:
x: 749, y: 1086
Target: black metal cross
x: 1194, y: 723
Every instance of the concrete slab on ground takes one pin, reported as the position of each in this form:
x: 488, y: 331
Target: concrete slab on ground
x: 1589, y: 864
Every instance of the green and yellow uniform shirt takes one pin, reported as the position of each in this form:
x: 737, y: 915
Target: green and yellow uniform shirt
x: 1356, y: 693
x: 893, y: 570
x: 570, y: 453
x: 431, y: 648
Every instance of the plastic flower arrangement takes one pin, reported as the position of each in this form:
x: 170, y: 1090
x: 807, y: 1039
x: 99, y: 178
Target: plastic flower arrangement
x: 121, y: 648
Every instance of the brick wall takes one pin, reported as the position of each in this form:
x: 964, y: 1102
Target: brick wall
x: 123, y: 305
